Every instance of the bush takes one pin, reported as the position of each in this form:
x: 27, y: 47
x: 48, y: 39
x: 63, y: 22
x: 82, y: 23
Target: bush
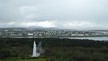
x: 4, y: 53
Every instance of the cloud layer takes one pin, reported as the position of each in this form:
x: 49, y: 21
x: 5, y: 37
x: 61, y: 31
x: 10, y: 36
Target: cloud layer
x: 54, y: 13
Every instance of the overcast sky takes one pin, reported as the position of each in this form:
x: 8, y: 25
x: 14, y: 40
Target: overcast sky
x: 68, y: 14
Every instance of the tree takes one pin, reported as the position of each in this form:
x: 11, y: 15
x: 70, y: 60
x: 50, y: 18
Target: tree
x: 4, y: 53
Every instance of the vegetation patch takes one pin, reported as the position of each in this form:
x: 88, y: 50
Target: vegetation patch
x: 55, y: 49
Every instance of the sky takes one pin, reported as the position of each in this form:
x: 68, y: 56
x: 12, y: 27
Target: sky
x: 65, y: 14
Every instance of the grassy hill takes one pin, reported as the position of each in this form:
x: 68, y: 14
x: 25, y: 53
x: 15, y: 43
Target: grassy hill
x: 55, y: 49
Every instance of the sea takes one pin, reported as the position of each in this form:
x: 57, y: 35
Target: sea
x: 91, y: 38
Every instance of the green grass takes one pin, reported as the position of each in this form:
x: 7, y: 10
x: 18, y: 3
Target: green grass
x: 42, y: 59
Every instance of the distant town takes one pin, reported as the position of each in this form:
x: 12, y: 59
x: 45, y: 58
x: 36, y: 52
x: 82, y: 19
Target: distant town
x: 49, y: 33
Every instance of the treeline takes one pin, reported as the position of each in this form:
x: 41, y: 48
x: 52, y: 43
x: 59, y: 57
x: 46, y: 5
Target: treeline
x: 55, y: 49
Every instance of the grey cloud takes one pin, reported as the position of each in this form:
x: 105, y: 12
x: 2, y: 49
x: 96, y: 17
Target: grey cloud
x: 92, y: 11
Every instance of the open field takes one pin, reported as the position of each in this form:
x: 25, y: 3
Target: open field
x: 25, y: 60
